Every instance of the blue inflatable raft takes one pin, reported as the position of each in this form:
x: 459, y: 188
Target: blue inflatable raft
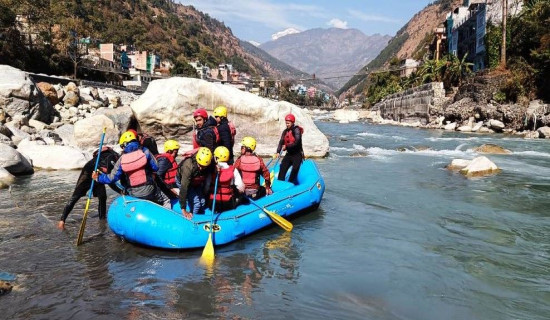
x: 149, y: 224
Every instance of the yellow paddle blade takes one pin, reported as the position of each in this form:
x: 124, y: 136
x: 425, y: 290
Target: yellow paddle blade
x: 282, y: 222
x: 207, y: 256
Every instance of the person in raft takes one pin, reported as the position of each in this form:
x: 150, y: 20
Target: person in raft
x: 226, y: 131
x: 229, y: 179
x: 204, y: 135
x: 107, y: 160
x: 168, y: 167
x: 251, y: 167
x: 291, y: 142
x: 194, y: 175
x: 138, y: 165
x: 146, y: 141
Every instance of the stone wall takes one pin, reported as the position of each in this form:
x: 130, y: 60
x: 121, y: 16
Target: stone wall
x: 415, y: 104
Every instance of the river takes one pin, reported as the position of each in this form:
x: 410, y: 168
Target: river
x: 397, y: 236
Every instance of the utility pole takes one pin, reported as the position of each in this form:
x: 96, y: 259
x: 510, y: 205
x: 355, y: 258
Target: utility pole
x: 503, y: 47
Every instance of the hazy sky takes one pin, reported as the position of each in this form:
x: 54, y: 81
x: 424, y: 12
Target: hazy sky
x: 257, y: 20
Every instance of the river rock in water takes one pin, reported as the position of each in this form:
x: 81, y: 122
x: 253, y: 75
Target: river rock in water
x: 480, y: 166
x: 492, y: 149
x: 5, y: 287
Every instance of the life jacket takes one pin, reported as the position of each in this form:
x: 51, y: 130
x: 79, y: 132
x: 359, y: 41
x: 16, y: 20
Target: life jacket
x: 170, y: 175
x: 250, y: 166
x: 148, y: 142
x: 225, y: 188
x: 197, y: 180
x: 196, y: 143
x: 232, y: 129
x: 133, y: 164
x: 289, y: 136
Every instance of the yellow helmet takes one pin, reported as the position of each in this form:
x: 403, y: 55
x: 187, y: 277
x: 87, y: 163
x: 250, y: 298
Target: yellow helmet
x: 126, y: 137
x: 249, y: 142
x: 204, y: 156
x: 221, y: 154
x: 170, y: 145
x: 220, y: 111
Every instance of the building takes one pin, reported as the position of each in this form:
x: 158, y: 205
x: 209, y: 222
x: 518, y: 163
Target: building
x: 407, y: 67
x: 152, y: 63
x: 138, y: 60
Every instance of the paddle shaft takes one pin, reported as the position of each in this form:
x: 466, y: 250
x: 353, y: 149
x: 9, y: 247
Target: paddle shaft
x: 90, y: 193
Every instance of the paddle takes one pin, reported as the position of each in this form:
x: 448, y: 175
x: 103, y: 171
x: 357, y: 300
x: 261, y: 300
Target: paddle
x: 272, y: 173
x: 282, y: 222
x: 83, y: 224
x: 208, y: 251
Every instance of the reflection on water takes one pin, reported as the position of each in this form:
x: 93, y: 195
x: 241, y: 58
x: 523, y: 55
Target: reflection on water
x: 396, y: 237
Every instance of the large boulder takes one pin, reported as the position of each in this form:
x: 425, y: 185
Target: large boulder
x: 87, y: 132
x: 49, y: 92
x: 54, y: 157
x: 6, y: 178
x: 544, y: 132
x: 166, y: 109
x: 480, y: 166
x: 14, y: 83
x: 120, y: 116
x: 458, y: 164
x: 66, y: 133
x: 13, y: 161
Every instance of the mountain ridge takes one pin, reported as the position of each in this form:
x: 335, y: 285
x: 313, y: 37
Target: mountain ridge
x: 333, y: 54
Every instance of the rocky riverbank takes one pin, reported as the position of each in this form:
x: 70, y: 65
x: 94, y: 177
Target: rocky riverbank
x: 45, y: 126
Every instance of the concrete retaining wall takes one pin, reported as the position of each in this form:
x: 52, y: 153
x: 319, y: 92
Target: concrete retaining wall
x: 415, y: 104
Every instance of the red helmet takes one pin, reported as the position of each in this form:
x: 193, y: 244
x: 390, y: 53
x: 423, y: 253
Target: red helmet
x: 133, y: 131
x: 290, y: 117
x: 200, y: 113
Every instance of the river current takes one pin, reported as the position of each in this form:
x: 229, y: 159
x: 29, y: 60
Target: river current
x: 397, y: 236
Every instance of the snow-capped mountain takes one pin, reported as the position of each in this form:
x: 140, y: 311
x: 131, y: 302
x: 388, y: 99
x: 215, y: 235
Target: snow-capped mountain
x: 283, y: 33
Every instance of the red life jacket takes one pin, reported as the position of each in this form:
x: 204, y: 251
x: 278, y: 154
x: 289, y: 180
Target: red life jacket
x: 289, y: 136
x: 232, y: 129
x: 225, y: 188
x: 250, y: 168
x: 170, y: 175
x: 133, y: 164
x: 198, y: 180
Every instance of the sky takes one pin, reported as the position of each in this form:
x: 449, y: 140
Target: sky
x: 257, y: 20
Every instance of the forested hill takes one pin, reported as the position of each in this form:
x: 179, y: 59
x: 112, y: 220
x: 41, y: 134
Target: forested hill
x: 173, y: 31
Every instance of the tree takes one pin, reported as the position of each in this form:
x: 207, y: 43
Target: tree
x: 503, y: 46
x: 456, y: 69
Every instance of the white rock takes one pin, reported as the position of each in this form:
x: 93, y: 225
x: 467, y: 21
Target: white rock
x: 87, y: 132
x: 477, y: 126
x: 485, y: 130
x: 450, y: 126
x: 14, y: 83
x: 458, y: 164
x: 38, y: 125
x: 544, y: 132
x: 346, y: 116
x: 54, y: 157
x: 13, y: 161
x: 166, y: 109
x: 480, y: 166
x: 6, y: 178
x: 466, y: 128
x: 495, y: 124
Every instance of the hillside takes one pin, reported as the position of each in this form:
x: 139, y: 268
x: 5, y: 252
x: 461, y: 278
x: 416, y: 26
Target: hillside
x: 173, y: 31
x: 409, y: 42
x: 333, y: 55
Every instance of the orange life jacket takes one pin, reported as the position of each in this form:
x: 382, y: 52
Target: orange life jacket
x: 250, y: 171
x: 133, y: 164
x: 170, y: 175
x: 225, y: 187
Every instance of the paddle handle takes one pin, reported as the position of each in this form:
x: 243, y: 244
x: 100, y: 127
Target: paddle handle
x: 97, y: 161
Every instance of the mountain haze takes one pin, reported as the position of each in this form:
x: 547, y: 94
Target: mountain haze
x: 333, y: 55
